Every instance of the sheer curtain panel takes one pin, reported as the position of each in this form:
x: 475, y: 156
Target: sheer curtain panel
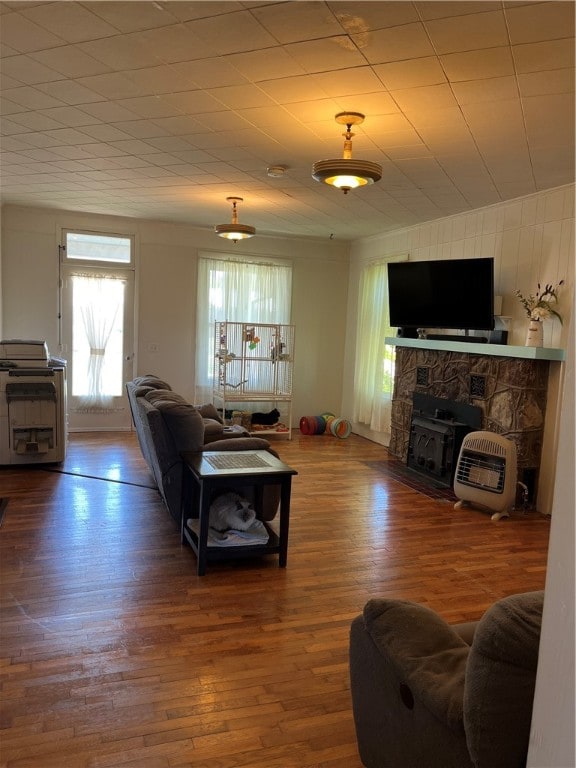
x: 374, y: 371
x: 236, y: 291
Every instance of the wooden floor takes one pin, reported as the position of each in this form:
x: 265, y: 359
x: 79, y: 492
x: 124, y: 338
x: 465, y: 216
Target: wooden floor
x: 114, y: 653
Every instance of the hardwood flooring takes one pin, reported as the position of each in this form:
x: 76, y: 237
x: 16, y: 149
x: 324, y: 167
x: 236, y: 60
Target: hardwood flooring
x: 114, y: 654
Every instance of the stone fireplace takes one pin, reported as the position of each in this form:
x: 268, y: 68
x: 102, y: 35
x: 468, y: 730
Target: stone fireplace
x: 510, y: 392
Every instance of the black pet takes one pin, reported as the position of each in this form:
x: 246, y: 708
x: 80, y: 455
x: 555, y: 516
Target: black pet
x: 266, y: 418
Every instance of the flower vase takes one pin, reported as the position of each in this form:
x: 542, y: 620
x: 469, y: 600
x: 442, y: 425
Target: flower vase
x: 535, y: 334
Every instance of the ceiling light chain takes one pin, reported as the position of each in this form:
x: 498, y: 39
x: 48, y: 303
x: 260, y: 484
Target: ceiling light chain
x: 346, y: 173
x: 235, y: 231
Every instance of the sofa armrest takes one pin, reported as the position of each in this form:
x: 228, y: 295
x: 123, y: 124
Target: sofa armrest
x: 238, y: 444
x: 425, y: 652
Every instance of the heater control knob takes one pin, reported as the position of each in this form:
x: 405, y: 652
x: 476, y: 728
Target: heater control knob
x: 430, y: 463
x: 421, y: 460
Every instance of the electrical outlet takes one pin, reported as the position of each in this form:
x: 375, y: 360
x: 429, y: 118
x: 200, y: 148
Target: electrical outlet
x: 152, y: 347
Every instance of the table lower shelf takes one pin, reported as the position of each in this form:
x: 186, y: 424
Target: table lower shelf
x: 215, y: 553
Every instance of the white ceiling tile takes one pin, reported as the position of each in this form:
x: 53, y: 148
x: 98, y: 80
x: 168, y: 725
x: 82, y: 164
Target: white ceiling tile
x: 70, y: 116
x: 109, y: 111
x: 267, y: 64
x: 357, y: 80
x: 358, y: 16
x: 103, y: 132
x: 31, y: 98
x: 492, y: 89
x: 540, y: 21
x: 69, y: 92
x: 180, y: 125
x: 69, y: 21
x: 169, y: 143
x: 195, y: 102
x: 478, y: 65
x: 68, y: 136
x: 210, y: 73
x: 409, y: 41
x: 158, y: 80
x: 177, y: 43
x: 223, y: 121
x: 241, y: 96
x: 397, y: 75
x: 444, y: 9
x: 24, y: 36
x: 424, y: 99
x: 148, y: 107
x: 545, y: 83
x: 468, y: 33
x: 121, y: 52
x: 534, y: 57
x: 121, y: 16
x: 114, y: 85
x: 289, y: 90
x: 540, y: 129
x: 35, y: 121
x: 329, y: 53
x: 141, y: 129
x: 28, y: 71
x: 8, y: 82
x: 294, y: 22
x: 134, y: 147
x: 70, y: 61
x: 233, y: 33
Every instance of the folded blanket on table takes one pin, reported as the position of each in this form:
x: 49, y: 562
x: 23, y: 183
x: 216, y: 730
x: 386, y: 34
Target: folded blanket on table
x: 255, y: 534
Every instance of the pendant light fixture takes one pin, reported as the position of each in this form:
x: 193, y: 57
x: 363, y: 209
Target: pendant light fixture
x: 346, y: 173
x: 234, y: 231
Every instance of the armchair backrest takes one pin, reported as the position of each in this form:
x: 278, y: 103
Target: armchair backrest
x: 500, y: 681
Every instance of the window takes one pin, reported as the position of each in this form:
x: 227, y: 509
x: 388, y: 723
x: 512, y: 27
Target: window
x: 248, y: 291
x: 374, y: 370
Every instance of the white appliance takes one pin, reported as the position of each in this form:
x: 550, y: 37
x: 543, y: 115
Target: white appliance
x: 33, y: 413
x: 486, y: 473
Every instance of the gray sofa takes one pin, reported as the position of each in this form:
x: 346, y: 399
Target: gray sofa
x: 167, y: 425
x: 427, y: 694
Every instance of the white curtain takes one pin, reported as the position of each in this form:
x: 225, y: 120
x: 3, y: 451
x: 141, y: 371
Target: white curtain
x: 98, y: 300
x: 240, y: 292
x: 374, y: 371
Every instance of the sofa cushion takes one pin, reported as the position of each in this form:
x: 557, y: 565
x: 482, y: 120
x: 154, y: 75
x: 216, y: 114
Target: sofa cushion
x: 149, y: 380
x: 209, y: 411
x: 183, y: 421
x: 212, y: 429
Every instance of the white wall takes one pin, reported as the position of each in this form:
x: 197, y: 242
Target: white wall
x: 166, y: 289
x: 532, y: 241
x: 552, y: 733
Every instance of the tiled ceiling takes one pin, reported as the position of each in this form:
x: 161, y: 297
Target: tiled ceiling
x: 161, y: 110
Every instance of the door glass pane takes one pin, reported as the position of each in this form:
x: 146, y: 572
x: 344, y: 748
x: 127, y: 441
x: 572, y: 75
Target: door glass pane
x: 91, y: 247
x: 97, y: 337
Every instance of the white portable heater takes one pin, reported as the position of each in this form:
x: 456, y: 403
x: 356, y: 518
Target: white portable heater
x: 486, y: 473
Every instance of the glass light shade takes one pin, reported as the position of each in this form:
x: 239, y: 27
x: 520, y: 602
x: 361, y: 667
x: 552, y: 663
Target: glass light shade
x: 346, y: 174
x: 234, y: 231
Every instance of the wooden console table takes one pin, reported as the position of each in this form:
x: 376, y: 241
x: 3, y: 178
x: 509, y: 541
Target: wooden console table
x: 210, y: 471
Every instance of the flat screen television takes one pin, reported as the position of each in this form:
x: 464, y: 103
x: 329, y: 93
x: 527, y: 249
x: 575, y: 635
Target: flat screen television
x: 448, y: 293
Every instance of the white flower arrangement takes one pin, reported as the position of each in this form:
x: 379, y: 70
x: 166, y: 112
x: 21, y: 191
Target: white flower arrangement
x: 539, y: 306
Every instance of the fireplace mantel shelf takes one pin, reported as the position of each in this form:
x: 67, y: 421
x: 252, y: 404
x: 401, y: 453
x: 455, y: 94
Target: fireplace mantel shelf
x: 473, y: 348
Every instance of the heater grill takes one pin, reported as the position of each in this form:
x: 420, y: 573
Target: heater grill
x: 486, y: 473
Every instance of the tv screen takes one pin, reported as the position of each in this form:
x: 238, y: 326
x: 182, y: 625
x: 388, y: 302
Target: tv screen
x: 449, y: 293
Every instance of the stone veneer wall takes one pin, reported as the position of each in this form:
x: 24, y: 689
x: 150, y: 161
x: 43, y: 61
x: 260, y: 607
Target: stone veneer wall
x: 511, y: 393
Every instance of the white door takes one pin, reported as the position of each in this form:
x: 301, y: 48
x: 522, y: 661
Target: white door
x: 97, y: 314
